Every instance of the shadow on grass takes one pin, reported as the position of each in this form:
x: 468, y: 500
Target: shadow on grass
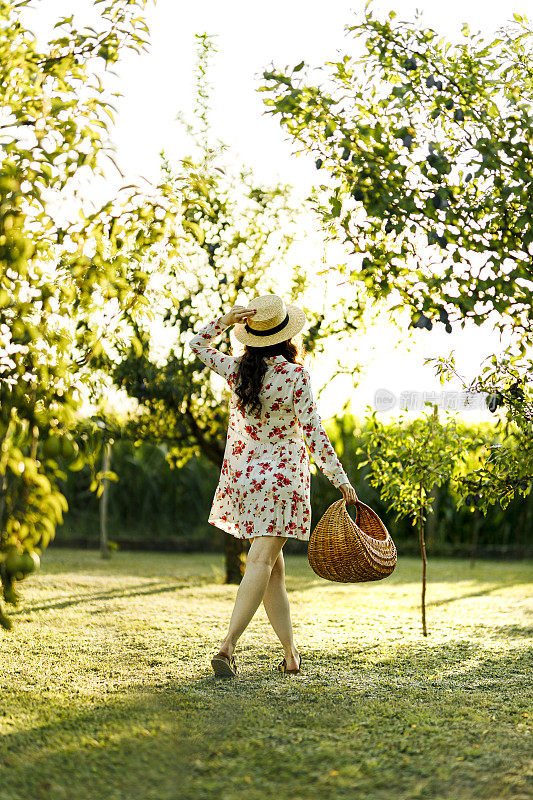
x: 427, y: 720
x: 300, y: 576
x: 112, y: 594
x: 157, y: 587
x: 481, y: 593
x: 513, y: 631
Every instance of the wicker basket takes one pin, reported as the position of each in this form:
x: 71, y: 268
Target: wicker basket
x: 347, y: 551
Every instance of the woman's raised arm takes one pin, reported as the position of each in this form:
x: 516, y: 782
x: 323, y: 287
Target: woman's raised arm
x: 213, y: 358
x: 200, y: 343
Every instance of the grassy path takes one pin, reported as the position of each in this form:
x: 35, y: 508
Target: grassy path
x: 106, y: 690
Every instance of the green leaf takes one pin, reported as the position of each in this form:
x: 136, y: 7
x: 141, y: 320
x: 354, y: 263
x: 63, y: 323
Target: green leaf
x: 195, y: 230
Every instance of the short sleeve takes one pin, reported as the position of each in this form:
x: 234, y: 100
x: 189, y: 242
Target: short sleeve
x: 315, y: 436
x: 200, y: 345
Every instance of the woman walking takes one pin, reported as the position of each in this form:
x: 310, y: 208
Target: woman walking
x: 264, y: 489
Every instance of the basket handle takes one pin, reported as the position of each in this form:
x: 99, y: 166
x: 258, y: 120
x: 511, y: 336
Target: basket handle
x: 342, y: 501
x: 357, y: 504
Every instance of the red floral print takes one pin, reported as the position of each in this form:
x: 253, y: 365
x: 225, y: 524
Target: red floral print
x: 264, y: 486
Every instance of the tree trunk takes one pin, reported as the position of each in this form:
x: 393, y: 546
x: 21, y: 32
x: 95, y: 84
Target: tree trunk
x: 431, y: 522
x: 522, y: 527
x: 106, y: 465
x: 475, y: 536
x: 3, y: 490
x: 424, y: 561
x: 234, y: 549
x: 432, y: 511
x: 235, y: 552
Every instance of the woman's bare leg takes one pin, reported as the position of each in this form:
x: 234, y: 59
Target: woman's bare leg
x: 260, y: 559
x: 276, y: 603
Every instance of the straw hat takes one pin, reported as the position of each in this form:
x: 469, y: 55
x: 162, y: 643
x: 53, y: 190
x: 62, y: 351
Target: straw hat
x: 273, y: 322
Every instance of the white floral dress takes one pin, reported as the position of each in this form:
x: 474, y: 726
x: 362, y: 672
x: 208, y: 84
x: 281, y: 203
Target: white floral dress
x: 264, y: 486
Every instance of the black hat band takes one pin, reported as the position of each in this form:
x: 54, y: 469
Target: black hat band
x: 270, y: 331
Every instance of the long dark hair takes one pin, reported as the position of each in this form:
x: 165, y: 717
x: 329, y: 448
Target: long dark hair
x: 252, y: 368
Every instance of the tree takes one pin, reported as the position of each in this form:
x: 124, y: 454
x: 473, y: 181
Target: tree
x: 244, y: 233
x: 427, y: 149
x: 505, y: 464
x: 58, y: 266
x: 406, y: 462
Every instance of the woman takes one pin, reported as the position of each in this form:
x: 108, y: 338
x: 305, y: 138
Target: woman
x: 264, y: 488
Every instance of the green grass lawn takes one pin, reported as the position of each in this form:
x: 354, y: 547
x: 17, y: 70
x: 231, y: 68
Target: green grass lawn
x: 107, y: 690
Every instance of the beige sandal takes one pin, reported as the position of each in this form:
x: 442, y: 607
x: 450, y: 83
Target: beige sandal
x: 224, y: 666
x: 282, y: 667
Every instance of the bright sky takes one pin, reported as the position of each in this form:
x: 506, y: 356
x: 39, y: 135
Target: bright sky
x: 250, y: 37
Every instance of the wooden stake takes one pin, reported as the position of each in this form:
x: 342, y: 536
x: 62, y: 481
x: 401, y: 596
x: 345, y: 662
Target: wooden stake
x: 421, y: 537
x: 106, y: 465
x: 424, y: 561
